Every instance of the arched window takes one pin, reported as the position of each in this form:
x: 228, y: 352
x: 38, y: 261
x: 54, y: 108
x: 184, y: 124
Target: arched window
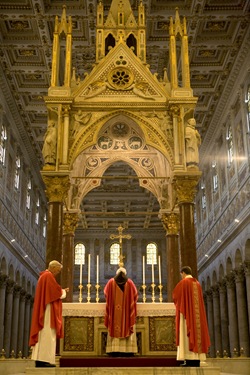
x: 79, y: 253
x: 151, y: 253
x: 215, y: 176
x: 17, y: 172
x: 203, y: 196
x: 229, y: 139
x: 28, y: 190
x: 37, y: 211
x: 114, y: 253
x: 44, y: 225
x: 3, y: 139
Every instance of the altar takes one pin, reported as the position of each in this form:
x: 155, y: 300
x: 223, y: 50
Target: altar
x: 86, y: 335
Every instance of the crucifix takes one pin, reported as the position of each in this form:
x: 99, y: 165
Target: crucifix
x: 120, y: 236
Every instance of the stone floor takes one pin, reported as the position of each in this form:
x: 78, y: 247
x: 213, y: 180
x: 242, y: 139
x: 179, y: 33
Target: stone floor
x: 240, y: 366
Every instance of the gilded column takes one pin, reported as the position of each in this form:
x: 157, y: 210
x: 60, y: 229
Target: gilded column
x: 21, y: 322
x: 15, y: 319
x: 186, y: 189
x: 8, y: 316
x: 56, y: 190
x: 210, y: 319
x: 224, y: 319
x: 242, y: 311
x: 65, y: 138
x: 217, y: 321
x: 232, y: 315
x: 70, y: 220
x: 3, y: 282
x: 171, y: 224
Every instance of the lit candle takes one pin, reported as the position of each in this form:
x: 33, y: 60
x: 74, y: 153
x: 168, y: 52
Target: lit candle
x: 97, y: 269
x: 89, y: 269
x: 159, y: 263
x: 81, y: 272
x: 143, y: 270
x: 153, y: 276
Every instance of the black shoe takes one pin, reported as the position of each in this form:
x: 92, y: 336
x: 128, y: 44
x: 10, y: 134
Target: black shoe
x: 191, y: 363
x: 44, y: 364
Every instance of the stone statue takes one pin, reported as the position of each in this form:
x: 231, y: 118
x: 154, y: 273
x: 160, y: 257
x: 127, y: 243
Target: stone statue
x: 49, y: 146
x: 193, y: 141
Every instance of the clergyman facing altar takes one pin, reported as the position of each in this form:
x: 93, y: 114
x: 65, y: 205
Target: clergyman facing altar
x: 120, y: 317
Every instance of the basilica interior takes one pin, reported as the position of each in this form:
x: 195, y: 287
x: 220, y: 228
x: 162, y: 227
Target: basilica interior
x: 99, y: 104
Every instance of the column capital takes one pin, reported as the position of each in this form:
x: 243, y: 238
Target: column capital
x: 70, y: 222
x: 230, y: 280
x: 246, y: 268
x: 3, y: 281
x: 239, y: 275
x: 186, y: 187
x: 57, y: 186
x: 171, y: 222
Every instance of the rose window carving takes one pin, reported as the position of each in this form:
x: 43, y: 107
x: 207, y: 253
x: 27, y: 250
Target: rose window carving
x: 120, y: 78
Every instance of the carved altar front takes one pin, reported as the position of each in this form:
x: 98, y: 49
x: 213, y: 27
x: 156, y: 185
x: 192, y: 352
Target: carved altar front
x: 85, y: 333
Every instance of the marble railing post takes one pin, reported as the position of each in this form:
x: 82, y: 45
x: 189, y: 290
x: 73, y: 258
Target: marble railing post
x: 210, y: 319
x: 246, y: 266
x: 8, y: 316
x: 70, y: 220
x: 242, y: 311
x: 3, y: 282
x: 26, y: 326
x: 15, y: 319
x: 21, y: 322
x: 171, y: 224
x: 224, y: 318
x: 232, y: 315
x: 217, y: 320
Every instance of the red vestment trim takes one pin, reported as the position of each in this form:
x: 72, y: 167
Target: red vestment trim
x: 188, y: 299
x: 47, y: 291
x: 121, y: 309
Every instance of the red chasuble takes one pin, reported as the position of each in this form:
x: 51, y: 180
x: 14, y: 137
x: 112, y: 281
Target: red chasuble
x: 188, y: 299
x: 47, y: 291
x: 121, y: 308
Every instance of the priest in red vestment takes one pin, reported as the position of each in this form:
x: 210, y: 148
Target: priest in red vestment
x: 192, y: 336
x: 120, y: 317
x: 46, y: 323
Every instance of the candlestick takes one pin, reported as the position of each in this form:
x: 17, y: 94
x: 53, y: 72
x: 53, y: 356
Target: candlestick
x: 89, y: 269
x: 97, y: 293
x: 153, y: 276
x: 81, y: 272
x: 80, y: 293
x: 159, y: 262
x: 160, y: 297
x: 144, y: 293
x: 88, y: 293
x: 143, y: 270
x: 97, y: 269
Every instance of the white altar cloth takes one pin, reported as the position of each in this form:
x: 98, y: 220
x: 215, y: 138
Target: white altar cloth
x: 98, y: 309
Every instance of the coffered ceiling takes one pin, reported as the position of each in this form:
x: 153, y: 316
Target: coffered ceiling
x: 218, y: 34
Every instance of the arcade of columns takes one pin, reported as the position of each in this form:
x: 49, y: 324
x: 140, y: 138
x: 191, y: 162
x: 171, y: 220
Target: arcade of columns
x: 227, y: 309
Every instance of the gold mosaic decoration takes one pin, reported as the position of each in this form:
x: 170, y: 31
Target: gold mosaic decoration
x: 78, y: 334
x: 162, y: 333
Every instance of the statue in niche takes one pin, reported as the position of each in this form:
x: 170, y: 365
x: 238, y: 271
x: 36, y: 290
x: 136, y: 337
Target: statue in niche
x: 193, y: 141
x: 49, y: 146
x: 81, y: 119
